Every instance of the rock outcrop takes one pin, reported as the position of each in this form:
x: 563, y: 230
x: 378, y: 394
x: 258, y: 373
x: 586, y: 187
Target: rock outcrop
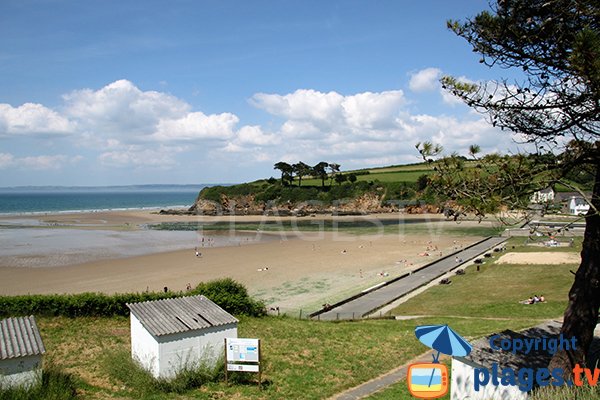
x: 248, y: 205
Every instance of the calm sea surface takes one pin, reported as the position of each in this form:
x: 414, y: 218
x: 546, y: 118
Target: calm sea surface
x: 41, y: 200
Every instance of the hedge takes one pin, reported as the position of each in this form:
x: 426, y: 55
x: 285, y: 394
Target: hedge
x: 227, y: 293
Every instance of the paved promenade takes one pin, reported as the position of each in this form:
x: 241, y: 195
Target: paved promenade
x: 369, y: 302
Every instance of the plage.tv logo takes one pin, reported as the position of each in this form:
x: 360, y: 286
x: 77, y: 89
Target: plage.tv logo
x: 427, y: 380
x: 431, y: 380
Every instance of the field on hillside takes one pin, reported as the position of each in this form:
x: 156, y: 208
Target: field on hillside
x: 400, y: 173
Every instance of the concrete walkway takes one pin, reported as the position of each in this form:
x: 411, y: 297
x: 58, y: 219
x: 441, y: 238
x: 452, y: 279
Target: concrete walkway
x: 381, y: 382
x: 362, y: 305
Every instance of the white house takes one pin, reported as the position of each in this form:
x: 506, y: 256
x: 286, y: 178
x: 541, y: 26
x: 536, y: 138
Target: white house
x: 21, y: 350
x: 578, y: 205
x: 543, y: 196
x: 483, y: 360
x: 171, y: 334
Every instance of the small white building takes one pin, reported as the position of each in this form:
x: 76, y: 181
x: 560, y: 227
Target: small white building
x: 578, y: 206
x: 543, y: 196
x: 483, y: 357
x: 21, y: 350
x: 171, y: 334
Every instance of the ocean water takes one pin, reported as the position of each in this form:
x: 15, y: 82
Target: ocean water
x: 65, y: 199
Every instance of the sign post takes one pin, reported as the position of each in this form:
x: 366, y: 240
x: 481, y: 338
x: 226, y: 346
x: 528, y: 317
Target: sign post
x: 242, y: 355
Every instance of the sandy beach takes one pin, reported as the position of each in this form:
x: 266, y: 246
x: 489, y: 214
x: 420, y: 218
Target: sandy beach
x: 292, y: 270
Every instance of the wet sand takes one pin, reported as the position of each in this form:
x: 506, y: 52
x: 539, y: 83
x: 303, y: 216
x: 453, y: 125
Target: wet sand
x: 292, y: 270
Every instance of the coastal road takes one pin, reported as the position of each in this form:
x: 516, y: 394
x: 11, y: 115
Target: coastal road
x: 369, y: 302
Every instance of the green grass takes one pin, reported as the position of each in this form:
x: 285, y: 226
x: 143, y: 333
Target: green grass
x: 302, y: 359
x: 495, y: 292
x: 55, y: 384
x: 382, y: 175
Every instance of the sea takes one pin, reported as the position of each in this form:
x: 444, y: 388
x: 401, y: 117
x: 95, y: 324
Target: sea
x: 27, y: 241
x: 52, y: 199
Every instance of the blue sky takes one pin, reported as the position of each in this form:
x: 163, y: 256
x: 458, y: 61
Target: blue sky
x: 134, y: 92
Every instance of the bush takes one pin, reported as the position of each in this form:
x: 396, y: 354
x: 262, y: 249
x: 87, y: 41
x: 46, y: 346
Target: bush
x: 228, y: 294
x: 231, y: 296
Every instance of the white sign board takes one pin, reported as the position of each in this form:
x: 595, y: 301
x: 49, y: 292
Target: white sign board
x: 243, y: 367
x: 242, y: 350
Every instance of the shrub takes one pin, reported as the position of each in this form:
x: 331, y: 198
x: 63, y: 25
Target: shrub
x: 230, y: 295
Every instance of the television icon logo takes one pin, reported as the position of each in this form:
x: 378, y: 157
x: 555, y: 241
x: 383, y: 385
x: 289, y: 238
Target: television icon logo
x: 427, y: 380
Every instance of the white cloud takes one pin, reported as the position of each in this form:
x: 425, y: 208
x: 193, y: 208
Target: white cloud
x: 255, y: 136
x: 129, y: 127
x: 300, y: 130
x: 371, y: 110
x: 121, y: 109
x: 302, y: 105
x: 310, y: 111
x: 425, y: 80
x: 42, y: 162
x: 6, y: 160
x: 195, y: 126
x: 138, y: 156
x: 365, y: 126
x: 31, y: 120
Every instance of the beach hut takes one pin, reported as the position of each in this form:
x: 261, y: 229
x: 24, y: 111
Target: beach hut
x: 169, y: 335
x: 21, y: 350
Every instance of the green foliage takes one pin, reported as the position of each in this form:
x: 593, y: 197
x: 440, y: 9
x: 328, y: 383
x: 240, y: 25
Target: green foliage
x: 231, y: 296
x: 55, y: 385
x: 213, y: 193
x: 227, y: 293
x: 485, y: 185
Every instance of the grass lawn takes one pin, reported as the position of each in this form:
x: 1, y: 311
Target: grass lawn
x: 302, y: 359
x: 495, y: 291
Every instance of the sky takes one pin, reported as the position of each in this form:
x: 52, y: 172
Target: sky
x: 185, y: 92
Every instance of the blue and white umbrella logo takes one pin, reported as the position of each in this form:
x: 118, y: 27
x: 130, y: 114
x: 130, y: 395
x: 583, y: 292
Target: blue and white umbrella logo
x: 443, y: 339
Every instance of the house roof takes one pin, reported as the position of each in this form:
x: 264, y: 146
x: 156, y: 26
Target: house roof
x: 547, y: 190
x: 566, y: 196
x: 20, y: 337
x: 180, y: 314
x: 579, y: 201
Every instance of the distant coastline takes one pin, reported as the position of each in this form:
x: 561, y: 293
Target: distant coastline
x: 36, y: 200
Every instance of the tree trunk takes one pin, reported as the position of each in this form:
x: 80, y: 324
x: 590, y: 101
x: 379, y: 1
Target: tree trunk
x: 581, y: 315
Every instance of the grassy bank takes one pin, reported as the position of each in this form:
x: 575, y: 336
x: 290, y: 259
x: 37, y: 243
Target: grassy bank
x: 302, y: 359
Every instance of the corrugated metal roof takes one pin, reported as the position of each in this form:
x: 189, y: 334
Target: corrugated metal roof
x: 20, y: 337
x: 180, y: 314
